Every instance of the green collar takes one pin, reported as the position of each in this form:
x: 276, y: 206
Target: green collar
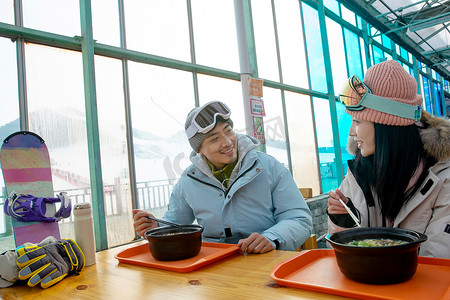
x: 224, y: 174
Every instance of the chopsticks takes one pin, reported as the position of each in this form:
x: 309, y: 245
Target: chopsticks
x: 350, y: 213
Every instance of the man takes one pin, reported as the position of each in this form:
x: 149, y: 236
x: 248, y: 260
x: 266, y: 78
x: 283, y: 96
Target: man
x: 238, y: 194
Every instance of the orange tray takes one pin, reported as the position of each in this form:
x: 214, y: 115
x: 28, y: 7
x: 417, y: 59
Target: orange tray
x: 317, y: 270
x: 209, y: 253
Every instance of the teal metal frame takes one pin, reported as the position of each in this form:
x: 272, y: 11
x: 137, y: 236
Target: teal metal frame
x: 93, y: 139
x: 330, y: 88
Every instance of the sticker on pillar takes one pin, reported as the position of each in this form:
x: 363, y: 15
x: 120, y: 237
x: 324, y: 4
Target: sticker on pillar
x: 255, y: 87
x: 258, y: 129
x: 257, y: 107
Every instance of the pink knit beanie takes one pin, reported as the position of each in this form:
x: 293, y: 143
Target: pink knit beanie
x: 389, y: 80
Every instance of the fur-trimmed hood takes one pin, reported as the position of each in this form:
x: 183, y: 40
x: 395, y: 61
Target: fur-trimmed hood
x: 435, y: 137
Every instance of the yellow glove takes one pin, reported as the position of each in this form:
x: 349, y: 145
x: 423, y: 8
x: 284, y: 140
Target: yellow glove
x: 49, y: 264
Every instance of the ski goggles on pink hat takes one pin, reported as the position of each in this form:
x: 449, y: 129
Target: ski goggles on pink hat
x: 356, y: 96
x: 205, y: 118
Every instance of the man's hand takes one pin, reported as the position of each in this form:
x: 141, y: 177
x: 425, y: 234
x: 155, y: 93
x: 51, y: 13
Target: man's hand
x: 334, y: 205
x: 255, y: 243
x: 141, y: 223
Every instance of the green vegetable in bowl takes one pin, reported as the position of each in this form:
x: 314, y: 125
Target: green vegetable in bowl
x: 375, y: 242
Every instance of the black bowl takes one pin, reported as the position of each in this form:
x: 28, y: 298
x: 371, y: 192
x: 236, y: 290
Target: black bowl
x: 377, y: 265
x: 174, y: 243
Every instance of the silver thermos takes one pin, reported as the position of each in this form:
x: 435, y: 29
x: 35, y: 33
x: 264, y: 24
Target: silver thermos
x: 84, y: 231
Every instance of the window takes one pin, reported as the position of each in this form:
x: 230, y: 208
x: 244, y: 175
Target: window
x: 314, y: 49
x: 160, y: 100
x: 113, y: 147
x: 56, y: 108
x: 266, y: 52
x: 291, y: 43
x: 302, y: 141
x: 9, y: 119
x: 7, y: 12
x: 337, y: 56
x: 353, y: 54
x: 274, y: 128
x: 158, y: 27
x: 325, y: 144
x: 215, y: 33
x: 105, y: 22
x: 61, y: 17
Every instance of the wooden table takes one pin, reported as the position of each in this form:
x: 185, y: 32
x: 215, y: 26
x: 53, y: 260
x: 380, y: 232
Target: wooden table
x: 234, y: 277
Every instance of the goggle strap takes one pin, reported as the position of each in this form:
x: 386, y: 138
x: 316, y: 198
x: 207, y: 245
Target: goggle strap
x: 191, y: 131
x: 390, y: 107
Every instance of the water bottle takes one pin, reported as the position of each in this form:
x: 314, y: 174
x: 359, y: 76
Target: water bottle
x: 84, y: 231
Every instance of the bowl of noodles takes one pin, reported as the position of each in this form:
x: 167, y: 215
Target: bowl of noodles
x: 377, y: 255
x: 170, y: 243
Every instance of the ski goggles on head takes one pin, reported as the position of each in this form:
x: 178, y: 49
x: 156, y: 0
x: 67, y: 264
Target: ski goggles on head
x: 205, y: 118
x: 356, y: 96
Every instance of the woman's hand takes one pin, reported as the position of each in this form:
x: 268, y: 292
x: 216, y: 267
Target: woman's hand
x: 141, y: 223
x: 255, y: 243
x: 334, y: 205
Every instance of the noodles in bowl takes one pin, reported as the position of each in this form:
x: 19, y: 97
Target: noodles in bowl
x: 364, y: 262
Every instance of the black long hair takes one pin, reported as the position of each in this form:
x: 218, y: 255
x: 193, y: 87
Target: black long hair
x: 398, y: 154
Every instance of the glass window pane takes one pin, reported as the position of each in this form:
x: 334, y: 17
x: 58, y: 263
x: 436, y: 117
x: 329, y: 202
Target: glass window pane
x: 378, y: 55
x: 337, y: 55
x: 403, y: 53
x: 344, y: 123
x: 158, y: 27
x: 386, y: 41
x: 363, y: 56
x: 113, y: 141
x: 274, y: 126
x: 302, y: 141
x: 230, y: 93
x: 332, y: 5
x: 62, y: 17
x: 105, y: 22
x: 314, y: 48
x: 375, y: 34
x: 437, y: 99
x: 359, y: 21
x: 56, y: 110
x: 160, y: 99
x: 353, y: 54
x: 9, y: 99
x: 7, y: 12
x: 215, y: 34
x: 348, y: 15
x: 266, y: 52
x: 292, y: 48
x: 426, y: 94
x: 9, y: 123
x: 325, y: 144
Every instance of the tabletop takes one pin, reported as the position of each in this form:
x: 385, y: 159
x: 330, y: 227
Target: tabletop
x: 234, y: 277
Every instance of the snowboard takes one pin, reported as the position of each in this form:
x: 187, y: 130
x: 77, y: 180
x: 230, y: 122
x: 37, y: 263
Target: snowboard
x: 26, y: 169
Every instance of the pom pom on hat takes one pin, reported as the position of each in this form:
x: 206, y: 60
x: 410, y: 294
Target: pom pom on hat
x: 389, y: 80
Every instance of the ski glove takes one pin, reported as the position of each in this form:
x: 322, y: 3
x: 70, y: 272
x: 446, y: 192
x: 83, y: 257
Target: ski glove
x: 50, y: 263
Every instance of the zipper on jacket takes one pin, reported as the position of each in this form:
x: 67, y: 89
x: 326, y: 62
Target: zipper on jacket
x: 237, y: 177
x: 206, y: 183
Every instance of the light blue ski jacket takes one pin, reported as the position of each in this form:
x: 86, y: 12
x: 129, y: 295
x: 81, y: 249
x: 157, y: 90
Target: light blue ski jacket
x: 261, y: 197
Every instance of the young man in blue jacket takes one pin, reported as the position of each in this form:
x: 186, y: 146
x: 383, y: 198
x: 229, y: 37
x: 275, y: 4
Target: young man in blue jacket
x: 238, y: 194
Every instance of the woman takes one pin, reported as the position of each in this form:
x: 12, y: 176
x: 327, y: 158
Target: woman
x: 400, y: 176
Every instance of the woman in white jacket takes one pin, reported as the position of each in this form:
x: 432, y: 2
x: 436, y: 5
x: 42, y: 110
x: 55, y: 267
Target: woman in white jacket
x: 400, y: 176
